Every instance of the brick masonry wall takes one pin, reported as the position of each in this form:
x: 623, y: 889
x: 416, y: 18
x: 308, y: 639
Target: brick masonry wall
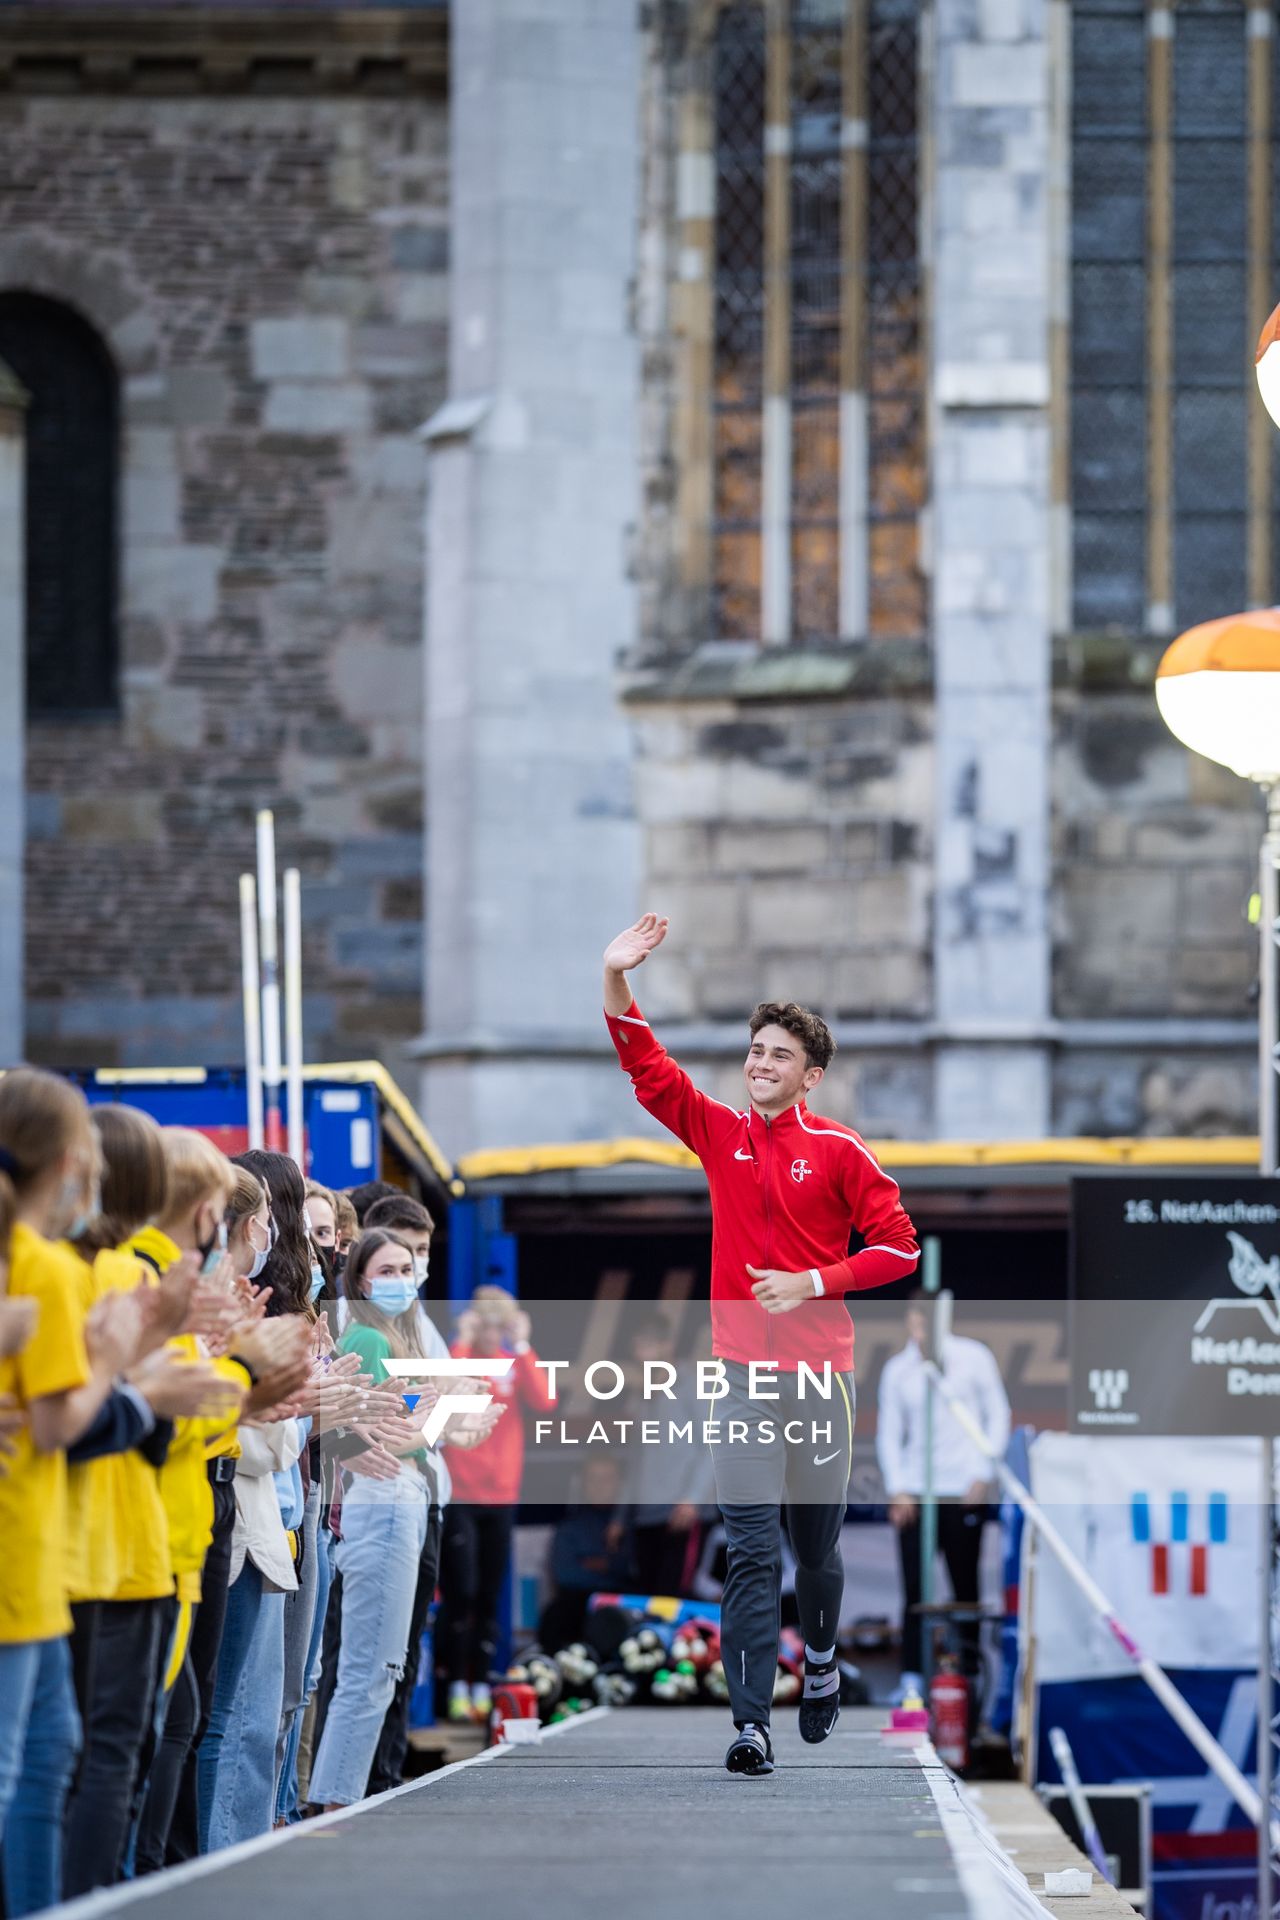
x: 270, y: 275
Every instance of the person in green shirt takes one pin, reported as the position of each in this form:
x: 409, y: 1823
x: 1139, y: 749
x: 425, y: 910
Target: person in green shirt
x: 384, y: 1525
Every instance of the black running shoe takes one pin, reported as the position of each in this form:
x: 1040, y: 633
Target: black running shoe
x: 819, y: 1701
x: 751, y: 1752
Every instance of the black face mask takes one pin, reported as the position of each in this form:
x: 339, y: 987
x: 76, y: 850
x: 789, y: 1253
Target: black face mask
x: 337, y: 1264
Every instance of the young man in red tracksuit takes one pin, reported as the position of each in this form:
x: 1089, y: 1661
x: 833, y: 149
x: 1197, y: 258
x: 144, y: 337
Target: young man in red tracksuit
x: 787, y: 1188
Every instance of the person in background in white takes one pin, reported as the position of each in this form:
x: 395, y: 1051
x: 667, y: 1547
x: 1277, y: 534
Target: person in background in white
x: 961, y: 1477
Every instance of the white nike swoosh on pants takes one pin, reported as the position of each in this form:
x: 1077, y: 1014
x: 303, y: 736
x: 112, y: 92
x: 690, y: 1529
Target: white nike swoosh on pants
x: 821, y: 1460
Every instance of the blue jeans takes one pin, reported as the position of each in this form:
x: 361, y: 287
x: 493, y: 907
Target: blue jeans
x: 236, y: 1762
x: 301, y: 1612
x: 19, y: 1664
x: 384, y: 1528
x: 45, y: 1742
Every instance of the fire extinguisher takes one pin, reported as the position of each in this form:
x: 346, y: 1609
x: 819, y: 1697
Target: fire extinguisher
x: 512, y: 1700
x: 949, y: 1714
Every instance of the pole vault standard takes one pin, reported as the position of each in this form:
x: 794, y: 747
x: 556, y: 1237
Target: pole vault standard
x: 1155, y: 1676
x: 252, y: 1006
x: 293, y: 1013
x: 270, y: 979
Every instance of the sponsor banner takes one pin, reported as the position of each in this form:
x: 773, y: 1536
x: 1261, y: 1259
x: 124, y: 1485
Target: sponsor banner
x: 1203, y: 1848
x: 1175, y: 1305
x: 1170, y: 1533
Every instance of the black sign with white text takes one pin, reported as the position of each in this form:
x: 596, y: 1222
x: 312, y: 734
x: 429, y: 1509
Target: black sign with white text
x: 1175, y: 1305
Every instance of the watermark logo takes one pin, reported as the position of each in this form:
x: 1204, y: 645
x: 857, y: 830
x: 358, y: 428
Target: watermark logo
x: 1108, y: 1385
x: 1254, y: 1277
x: 800, y: 1171
x: 450, y: 1403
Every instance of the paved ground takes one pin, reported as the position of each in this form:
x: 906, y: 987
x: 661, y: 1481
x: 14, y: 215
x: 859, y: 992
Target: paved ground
x: 630, y: 1815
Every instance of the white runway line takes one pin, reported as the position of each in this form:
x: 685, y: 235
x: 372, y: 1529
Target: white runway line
x: 129, y: 1892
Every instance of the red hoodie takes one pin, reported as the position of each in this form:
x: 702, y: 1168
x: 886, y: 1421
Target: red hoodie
x: 785, y: 1193
x: 489, y: 1475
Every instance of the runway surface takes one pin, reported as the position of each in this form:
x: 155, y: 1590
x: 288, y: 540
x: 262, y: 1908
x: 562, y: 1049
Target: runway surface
x: 627, y: 1814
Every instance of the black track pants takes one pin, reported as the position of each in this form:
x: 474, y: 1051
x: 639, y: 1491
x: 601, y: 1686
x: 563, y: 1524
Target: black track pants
x: 796, y: 1452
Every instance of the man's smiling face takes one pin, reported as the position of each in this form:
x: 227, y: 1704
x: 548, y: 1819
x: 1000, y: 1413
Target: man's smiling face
x: 776, y: 1071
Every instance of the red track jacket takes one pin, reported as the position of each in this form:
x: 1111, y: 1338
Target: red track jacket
x: 785, y: 1193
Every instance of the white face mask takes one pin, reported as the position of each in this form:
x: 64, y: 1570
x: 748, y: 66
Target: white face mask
x: 421, y: 1264
x: 259, y: 1262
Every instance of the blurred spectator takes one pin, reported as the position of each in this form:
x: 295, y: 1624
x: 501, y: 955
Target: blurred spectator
x: 961, y: 1472
x: 486, y: 1487
x: 584, y: 1559
x: 668, y: 1491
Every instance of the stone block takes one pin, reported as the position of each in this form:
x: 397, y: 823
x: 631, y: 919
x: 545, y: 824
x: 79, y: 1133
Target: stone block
x: 998, y: 75
x: 728, y: 988
x: 878, y: 986
x: 1002, y: 19
x: 303, y: 408
x: 1212, y: 904
x: 678, y: 852
x: 1193, y: 835
x: 783, y: 915
x: 705, y: 915
x: 995, y: 454
x: 1123, y: 906
x: 764, y: 848
x: 119, y: 819
x: 169, y: 581
x: 152, y: 504
x: 803, y: 977
x: 199, y: 396
x: 299, y: 347
x: 668, y: 791
x: 1216, y: 981
x: 416, y: 248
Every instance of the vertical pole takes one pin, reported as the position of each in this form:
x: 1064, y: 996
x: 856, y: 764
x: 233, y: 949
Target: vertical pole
x: 270, y: 979
x: 1259, y: 300
x: 252, y: 1006
x: 1269, y: 992
x: 854, y: 454
x: 1061, y: 590
x: 693, y: 314
x: 292, y: 899
x: 931, y: 1274
x: 775, y: 512
x: 1269, y: 1164
x: 1160, y: 21
x: 1266, y: 1783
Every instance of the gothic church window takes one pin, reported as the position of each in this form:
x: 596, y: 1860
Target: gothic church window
x: 72, y: 459
x: 816, y: 472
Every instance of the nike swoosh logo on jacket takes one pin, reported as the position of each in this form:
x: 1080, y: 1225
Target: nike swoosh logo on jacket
x: 785, y: 1193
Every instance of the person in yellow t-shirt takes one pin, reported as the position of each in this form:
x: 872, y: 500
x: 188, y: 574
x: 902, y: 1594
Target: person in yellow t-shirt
x: 260, y: 1356
x: 125, y: 1611
x: 198, y: 1491
x: 61, y: 1377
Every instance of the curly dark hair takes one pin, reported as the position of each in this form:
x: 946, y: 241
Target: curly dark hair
x: 288, y: 1268
x: 810, y: 1030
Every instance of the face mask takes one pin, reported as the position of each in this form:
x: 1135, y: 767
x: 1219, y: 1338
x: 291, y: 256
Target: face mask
x: 339, y: 1265
x: 213, y: 1249
x: 85, y: 1209
x: 395, y: 1293
x: 317, y: 1278
x: 259, y: 1262
x: 421, y: 1263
